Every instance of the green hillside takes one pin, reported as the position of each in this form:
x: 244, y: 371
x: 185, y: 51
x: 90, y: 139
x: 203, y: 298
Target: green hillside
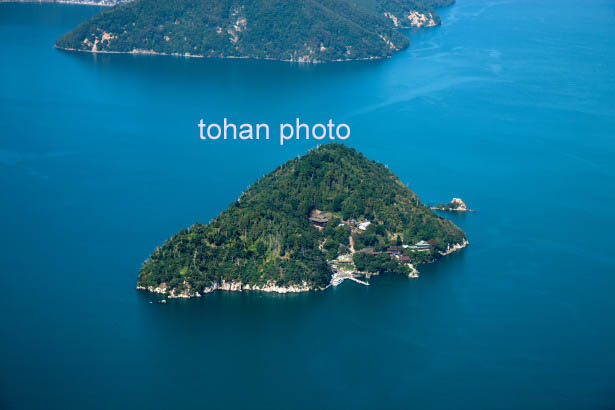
x: 267, y: 236
x: 291, y: 30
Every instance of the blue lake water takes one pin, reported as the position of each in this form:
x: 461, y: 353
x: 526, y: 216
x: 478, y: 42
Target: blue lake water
x: 509, y: 105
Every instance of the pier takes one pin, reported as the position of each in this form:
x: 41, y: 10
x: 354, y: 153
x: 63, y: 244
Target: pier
x: 340, y: 275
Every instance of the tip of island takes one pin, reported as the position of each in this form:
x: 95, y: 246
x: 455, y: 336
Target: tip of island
x: 329, y: 215
x: 294, y: 30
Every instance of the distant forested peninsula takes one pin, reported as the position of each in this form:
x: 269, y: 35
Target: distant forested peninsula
x: 290, y: 30
x: 312, y: 222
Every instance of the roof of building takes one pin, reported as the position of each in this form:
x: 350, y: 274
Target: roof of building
x: 320, y: 218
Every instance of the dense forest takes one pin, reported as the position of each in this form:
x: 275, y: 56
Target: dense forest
x: 290, y: 30
x: 266, y: 235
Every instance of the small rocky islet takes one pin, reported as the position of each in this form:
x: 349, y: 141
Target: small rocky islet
x: 456, y: 205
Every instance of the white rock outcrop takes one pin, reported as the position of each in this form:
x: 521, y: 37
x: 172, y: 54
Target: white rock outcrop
x: 459, y: 204
x: 455, y: 247
x: 188, y: 293
x: 421, y: 19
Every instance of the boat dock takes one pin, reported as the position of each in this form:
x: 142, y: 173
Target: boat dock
x: 340, y: 275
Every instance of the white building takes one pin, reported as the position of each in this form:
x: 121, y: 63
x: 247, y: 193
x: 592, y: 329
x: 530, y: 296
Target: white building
x: 363, y: 225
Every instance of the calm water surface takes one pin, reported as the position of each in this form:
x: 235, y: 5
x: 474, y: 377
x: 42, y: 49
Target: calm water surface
x: 509, y: 104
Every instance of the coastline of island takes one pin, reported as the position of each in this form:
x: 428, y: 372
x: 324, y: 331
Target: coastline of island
x: 271, y: 287
x: 188, y: 55
x: 72, y: 2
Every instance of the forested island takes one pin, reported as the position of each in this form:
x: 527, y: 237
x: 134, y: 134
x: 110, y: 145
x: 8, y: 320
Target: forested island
x: 290, y: 30
x: 327, y: 213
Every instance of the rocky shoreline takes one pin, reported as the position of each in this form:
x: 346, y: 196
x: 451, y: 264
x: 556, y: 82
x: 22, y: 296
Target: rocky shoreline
x: 302, y: 59
x: 228, y: 286
x: 271, y: 287
x: 455, y: 247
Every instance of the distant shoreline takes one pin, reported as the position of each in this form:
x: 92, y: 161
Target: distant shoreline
x: 187, y: 55
x: 75, y: 2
